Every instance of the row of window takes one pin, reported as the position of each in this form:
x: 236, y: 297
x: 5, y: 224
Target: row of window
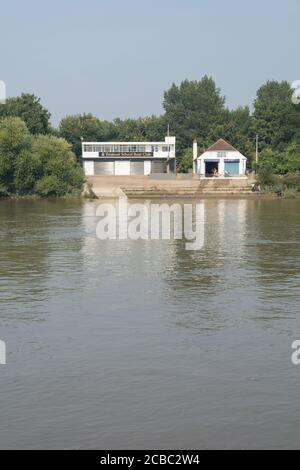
x: 123, y: 148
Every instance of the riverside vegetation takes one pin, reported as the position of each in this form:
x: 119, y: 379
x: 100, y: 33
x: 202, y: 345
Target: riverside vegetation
x: 37, y: 159
x: 36, y: 164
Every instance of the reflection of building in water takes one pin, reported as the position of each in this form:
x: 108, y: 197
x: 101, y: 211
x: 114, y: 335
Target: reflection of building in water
x: 222, y: 225
x: 141, y: 254
x: 208, y: 277
x: 231, y: 223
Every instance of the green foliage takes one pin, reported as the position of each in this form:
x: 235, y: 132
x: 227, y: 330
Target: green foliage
x: 14, y: 138
x: 14, y: 135
x: 29, y: 109
x: 193, y: 108
x: 236, y: 128
x: 84, y: 127
x: 186, y: 161
x: 289, y: 193
x: 3, y: 190
x: 276, y: 119
x: 42, y: 164
x: 49, y: 185
x: 50, y: 147
x: 291, y: 159
x: 59, y: 163
x: 28, y: 169
x: 266, y: 168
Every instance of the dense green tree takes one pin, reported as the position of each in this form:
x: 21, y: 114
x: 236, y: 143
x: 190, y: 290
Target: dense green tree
x: 28, y: 163
x: 14, y: 135
x: 84, y: 127
x: 192, y: 109
x: 29, y: 108
x: 14, y: 138
x: 290, y: 162
x: 59, y: 165
x: 49, y: 185
x: 272, y: 162
x: 275, y: 116
x: 186, y: 162
x: 49, y: 147
x: 28, y: 169
x: 140, y: 129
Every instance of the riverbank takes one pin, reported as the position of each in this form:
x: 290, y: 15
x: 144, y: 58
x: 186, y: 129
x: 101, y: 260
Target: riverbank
x: 166, y: 186
x: 182, y: 186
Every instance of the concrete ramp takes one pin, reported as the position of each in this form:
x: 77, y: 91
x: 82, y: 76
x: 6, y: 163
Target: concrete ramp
x: 146, y: 187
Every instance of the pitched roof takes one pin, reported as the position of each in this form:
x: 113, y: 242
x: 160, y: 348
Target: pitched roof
x: 221, y: 144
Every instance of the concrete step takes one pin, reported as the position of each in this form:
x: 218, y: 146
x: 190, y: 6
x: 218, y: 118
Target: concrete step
x: 182, y: 192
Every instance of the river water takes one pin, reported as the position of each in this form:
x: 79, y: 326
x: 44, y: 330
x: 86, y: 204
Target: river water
x: 143, y: 344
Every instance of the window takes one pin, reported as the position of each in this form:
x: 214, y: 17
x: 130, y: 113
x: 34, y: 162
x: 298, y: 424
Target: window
x: 221, y: 154
x: 166, y: 148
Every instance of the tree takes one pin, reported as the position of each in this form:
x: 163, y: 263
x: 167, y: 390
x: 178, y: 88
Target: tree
x: 28, y: 169
x: 84, y: 127
x: 28, y: 107
x: 237, y: 129
x: 61, y: 173
x: 186, y: 162
x: 49, y: 147
x: 14, y: 138
x: 192, y: 109
x: 44, y: 164
x: 291, y: 160
x: 140, y: 129
x: 276, y: 118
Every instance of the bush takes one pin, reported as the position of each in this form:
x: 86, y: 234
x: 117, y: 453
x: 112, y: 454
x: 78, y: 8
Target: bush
x: 265, y: 176
x: 28, y: 169
x: 292, y: 181
x: 3, y: 190
x: 49, y: 186
x: 14, y: 138
x: 289, y: 193
x: 61, y: 174
x: 67, y: 171
x: 186, y: 161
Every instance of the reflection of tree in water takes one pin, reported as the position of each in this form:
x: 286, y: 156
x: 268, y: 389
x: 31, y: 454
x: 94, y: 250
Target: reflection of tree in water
x: 203, y: 285
x: 275, y: 254
x: 193, y: 282
x: 277, y: 240
x: 37, y: 238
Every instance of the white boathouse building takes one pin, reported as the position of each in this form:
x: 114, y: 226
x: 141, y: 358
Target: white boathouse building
x: 220, y: 160
x: 129, y: 158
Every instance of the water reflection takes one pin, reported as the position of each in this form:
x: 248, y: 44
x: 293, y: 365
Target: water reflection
x: 121, y: 338
x: 248, y: 269
x: 40, y: 242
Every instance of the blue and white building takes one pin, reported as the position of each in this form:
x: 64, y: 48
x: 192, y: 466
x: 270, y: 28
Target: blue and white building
x: 220, y: 160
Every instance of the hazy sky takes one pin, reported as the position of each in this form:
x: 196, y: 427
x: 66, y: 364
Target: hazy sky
x: 115, y: 58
